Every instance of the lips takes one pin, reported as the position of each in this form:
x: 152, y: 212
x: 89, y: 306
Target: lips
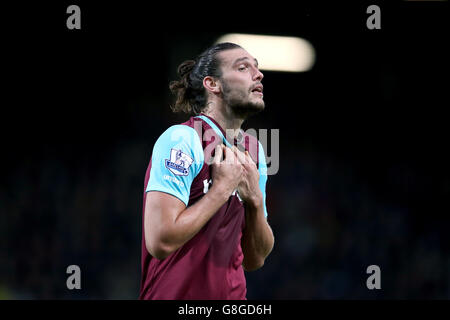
x: 258, y: 89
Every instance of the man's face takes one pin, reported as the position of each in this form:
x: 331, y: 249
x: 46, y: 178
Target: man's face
x: 241, y: 82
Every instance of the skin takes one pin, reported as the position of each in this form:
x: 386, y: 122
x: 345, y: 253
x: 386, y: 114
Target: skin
x: 168, y: 223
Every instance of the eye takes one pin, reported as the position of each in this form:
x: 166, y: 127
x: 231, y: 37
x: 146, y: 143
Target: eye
x: 242, y: 67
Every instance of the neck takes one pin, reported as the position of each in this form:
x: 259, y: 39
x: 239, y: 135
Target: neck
x: 226, y: 118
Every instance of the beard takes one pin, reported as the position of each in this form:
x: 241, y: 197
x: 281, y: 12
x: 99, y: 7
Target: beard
x: 240, y: 103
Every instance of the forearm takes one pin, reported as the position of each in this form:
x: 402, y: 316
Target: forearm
x: 169, y: 224
x: 189, y: 222
x: 257, y: 238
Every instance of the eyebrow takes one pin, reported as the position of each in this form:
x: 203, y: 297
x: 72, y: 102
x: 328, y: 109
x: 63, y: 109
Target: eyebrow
x: 244, y: 58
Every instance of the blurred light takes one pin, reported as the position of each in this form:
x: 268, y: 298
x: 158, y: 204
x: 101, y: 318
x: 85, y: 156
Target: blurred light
x: 275, y: 53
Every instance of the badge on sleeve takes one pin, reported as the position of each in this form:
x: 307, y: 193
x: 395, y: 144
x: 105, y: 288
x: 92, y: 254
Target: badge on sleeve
x: 179, y: 162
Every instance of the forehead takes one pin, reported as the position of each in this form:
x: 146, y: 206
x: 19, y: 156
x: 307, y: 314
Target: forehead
x: 228, y: 57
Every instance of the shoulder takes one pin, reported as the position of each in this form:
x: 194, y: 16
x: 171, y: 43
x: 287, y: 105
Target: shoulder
x: 179, y: 133
x: 180, y: 137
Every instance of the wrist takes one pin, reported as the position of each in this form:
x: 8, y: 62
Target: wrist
x: 220, y: 192
x: 255, y: 201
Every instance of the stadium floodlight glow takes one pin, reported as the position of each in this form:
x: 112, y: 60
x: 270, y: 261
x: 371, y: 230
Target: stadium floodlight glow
x: 276, y: 53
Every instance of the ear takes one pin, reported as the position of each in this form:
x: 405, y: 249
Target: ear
x: 211, y: 84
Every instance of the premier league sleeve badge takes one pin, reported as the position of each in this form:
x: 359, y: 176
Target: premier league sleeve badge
x: 179, y: 162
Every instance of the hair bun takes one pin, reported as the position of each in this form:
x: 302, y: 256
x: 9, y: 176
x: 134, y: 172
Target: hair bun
x: 185, y: 68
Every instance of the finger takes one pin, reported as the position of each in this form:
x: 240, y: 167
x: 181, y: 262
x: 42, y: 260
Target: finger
x: 230, y: 155
x: 218, y: 152
x: 248, y: 157
x: 240, y: 155
x: 227, y: 153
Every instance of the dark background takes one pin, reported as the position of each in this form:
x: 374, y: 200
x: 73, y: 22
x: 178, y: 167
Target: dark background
x: 363, y: 175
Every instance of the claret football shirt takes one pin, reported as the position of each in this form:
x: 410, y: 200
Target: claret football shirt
x: 208, y: 266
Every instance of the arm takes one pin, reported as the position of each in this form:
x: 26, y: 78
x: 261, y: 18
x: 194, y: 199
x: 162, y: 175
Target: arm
x: 257, y: 238
x: 168, y: 223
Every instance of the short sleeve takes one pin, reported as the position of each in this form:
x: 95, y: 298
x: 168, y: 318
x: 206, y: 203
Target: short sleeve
x: 262, y: 168
x: 177, y: 159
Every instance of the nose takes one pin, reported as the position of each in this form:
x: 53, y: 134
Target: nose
x: 258, y: 75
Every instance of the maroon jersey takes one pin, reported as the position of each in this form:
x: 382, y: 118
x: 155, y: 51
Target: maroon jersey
x: 208, y: 266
